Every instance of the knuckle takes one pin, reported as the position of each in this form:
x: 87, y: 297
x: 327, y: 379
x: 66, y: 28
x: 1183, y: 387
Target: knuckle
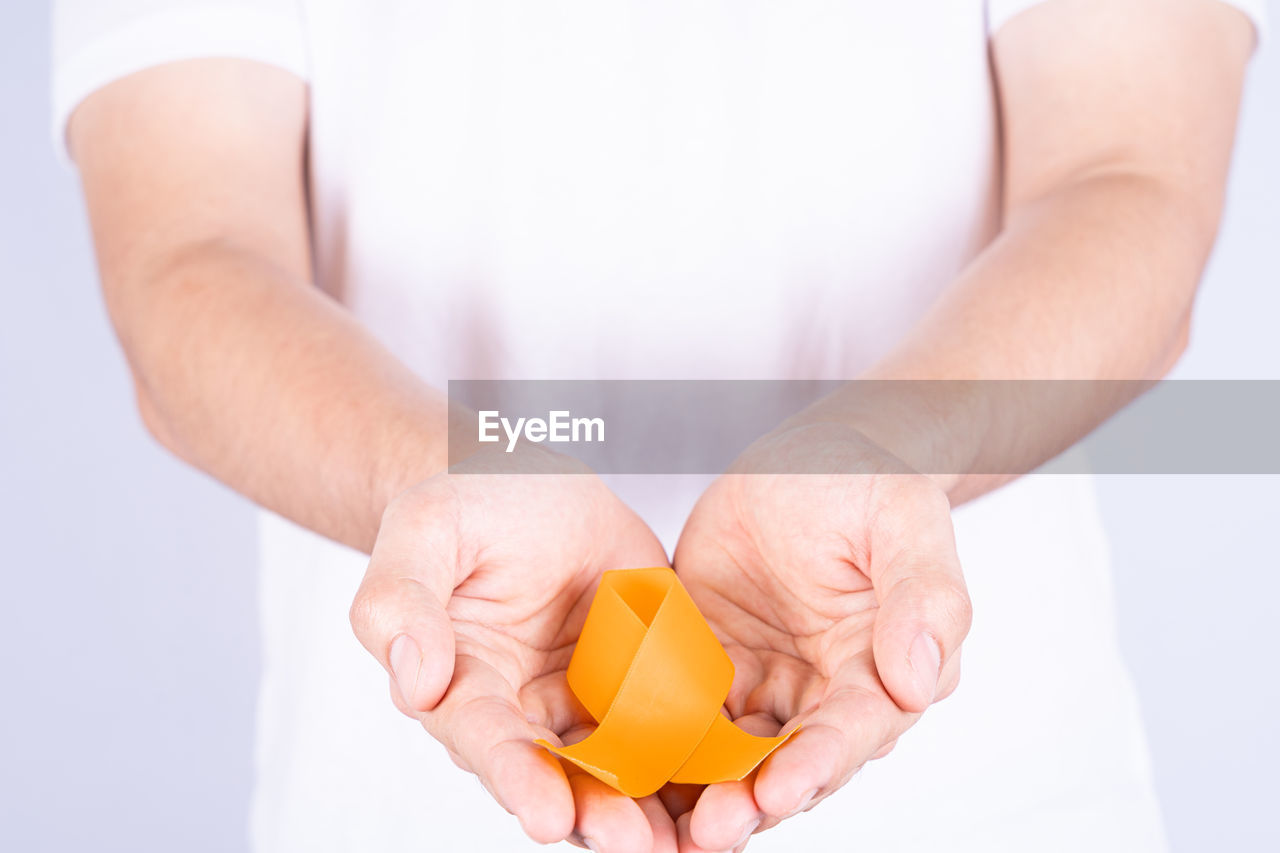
x: 457, y: 759
x: 952, y: 605
x: 884, y: 751
x: 942, y: 599
x: 368, y: 609
x: 467, y: 727
x: 959, y: 607
x: 361, y: 614
x: 931, y: 499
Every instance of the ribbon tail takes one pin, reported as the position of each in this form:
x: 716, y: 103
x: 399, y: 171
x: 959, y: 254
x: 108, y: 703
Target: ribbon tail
x: 726, y: 754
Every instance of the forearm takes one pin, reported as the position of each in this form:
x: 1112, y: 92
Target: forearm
x: 1092, y: 282
x: 195, y: 182
x: 271, y: 387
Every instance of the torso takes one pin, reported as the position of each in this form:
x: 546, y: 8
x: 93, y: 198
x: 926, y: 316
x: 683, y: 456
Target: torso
x: 648, y: 190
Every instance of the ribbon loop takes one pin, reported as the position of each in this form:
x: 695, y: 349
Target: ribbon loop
x: 649, y: 670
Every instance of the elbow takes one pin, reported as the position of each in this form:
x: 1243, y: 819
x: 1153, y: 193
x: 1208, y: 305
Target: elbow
x: 153, y: 418
x: 148, y: 327
x: 1203, y: 214
x: 149, y: 409
x: 1201, y: 217
x: 1192, y: 222
x: 1174, y: 349
x: 149, y: 413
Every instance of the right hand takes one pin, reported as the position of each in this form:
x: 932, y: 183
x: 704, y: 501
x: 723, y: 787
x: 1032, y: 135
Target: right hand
x: 475, y: 594
x: 838, y: 594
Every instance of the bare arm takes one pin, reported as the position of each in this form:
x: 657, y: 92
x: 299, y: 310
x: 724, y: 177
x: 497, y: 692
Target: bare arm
x: 193, y: 174
x: 1118, y: 122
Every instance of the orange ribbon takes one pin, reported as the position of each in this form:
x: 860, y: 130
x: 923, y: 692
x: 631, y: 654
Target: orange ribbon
x: 654, y: 677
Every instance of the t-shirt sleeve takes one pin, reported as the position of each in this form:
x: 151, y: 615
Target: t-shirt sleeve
x: 98, y: 41
x: 1000, y: 11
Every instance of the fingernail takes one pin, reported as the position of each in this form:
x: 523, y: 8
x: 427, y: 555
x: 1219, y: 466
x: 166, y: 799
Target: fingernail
x: 591, y: 845
x: 805, y: 799
x: 406, y: 660
x: 925, y: 659
x: 745, y: 834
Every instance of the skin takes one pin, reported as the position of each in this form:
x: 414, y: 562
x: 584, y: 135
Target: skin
x: 1118, y: 118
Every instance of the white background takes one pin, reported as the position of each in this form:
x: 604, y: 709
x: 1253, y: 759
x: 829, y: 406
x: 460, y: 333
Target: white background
x: 128, y: 634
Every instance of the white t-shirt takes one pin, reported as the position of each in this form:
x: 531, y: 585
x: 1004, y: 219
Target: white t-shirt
x: 653, y: 189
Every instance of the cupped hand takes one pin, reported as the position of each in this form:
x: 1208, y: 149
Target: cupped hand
x: 839, y: 596
x: 476, y: 591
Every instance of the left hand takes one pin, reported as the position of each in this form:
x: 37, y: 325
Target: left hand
x: 839, y: 598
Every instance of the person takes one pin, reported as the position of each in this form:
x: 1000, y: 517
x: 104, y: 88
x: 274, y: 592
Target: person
x: 310, y: 214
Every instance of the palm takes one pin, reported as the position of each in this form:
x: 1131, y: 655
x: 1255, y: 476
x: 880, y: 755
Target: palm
x: 518, y: 612
x: 788, y: 599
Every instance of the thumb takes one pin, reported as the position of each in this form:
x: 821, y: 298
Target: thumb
x: 405, y: 627
x: 399, y: 612
x: 923, y: 617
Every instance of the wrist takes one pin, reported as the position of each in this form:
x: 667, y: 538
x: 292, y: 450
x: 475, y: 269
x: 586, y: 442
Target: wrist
x: 938, y: 429
x: 415, y: 449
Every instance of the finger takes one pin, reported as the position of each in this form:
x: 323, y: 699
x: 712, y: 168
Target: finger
x: 406, y: 628
x: 883, y: 751
x: 548, y: 701
x: 609, y: 821
x: 399, y: 611
x: 686, y: 844
x: 924, y: 611
x: 853, y: 721
x: 726, y: 814
x: 481, y: 724
x: 685, y: 840
x: 661, y: 824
